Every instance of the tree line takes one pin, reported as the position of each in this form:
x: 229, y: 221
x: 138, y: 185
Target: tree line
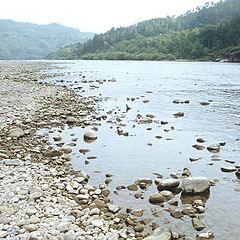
x: 203, y: 33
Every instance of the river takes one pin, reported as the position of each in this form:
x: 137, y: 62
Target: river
x: 210, y: 93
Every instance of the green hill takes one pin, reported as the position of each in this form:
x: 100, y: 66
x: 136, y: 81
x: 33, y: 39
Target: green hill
x: 204, y: 33
x: 22, y: 40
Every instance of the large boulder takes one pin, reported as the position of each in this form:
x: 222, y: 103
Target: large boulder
x: 235, y: 56
x: 195, y: 185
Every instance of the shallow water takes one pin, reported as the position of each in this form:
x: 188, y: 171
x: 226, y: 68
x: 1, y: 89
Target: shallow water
x: 130, y: 158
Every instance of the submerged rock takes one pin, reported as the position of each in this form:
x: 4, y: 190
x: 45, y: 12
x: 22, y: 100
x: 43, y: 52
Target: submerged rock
x: 197, y: 224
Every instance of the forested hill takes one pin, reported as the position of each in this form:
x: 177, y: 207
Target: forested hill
x: 22, y: 40
x: 203, y: 33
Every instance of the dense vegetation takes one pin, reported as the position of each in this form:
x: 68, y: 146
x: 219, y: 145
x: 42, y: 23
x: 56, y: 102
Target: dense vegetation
x: 21, y: 40
x: 203, y: 33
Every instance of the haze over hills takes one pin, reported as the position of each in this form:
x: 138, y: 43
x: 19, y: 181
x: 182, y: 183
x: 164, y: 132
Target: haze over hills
x: 204, y: 33
x: 22, y: 40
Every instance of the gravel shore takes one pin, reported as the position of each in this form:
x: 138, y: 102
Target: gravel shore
x: 41, y: 195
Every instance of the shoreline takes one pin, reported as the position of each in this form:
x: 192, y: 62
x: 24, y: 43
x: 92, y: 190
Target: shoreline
x: 42, y: 196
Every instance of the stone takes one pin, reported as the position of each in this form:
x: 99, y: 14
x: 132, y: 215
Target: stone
x: 228, y: 169
x: 69, y: 235
x: 186, y: 173
x: 167, y: 184
x: 235, y: 56
x: 89, y: 137
x: 178, y: 114
x: 176, y: 213
x: 198, y: 147
x: 132, y: 187
x: 195, y: 185
x: 31, y: 227
x: 12, y: 162
x: 197, y: 224
x: 138, y: 228
x: 200, y: 140
x: 205, y: 236
x: 160, y: 234
x: 113, y: 208
x: 57, y: 138
x: 2, y: 175
x: 214, y: 148
x: 161, y: 197
x: 137, y: 212
x: 146, y: 120
x: 71, y: 120
x: 16, y: 133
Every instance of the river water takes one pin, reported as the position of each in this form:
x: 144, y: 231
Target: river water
x: 141, y: 154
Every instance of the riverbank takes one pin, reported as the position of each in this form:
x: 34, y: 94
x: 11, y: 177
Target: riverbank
x: 42, y: 196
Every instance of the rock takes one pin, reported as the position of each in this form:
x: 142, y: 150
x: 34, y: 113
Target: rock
x: 178, y: 114
x: 84, y: 151
x: 113, y: 208
x: 89, y: 137
x: 31, y: 227
x: 66, y: 150
x: 57, y: 138
x: 193, y: 159
x: 205, y: 236
x: 147, y: 181
x: 228, y: 169
x: 195, y: 185
x: 12, y: 162
x: 214, y: 148
x: 198, y: 147
x: 53, y: 153
x: 204, y: 103
x: 188, y: 209
x: 235, y: 56
x: 138, y: 228
x: 161, y: 197
x: 137, y: 212
x: 132, y: 187
x: 69, y: 235
x: 186, y: 173
x: 176, y: 213
x: 238, y: 173
x: 2, y: 175
x: 36, y: 192
x: 160, y: 234
x: 146, y: 120
x: 197, y: 224
x: 71, y: 120
x: 16, y: 133
x: 167, y: 184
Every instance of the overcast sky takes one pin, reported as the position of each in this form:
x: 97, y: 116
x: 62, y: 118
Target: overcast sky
x: 93, y: 15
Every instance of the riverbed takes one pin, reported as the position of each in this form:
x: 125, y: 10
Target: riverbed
x: 208, y: 96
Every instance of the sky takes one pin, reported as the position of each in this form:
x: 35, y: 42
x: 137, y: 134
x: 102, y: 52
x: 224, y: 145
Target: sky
x: 93, y: 15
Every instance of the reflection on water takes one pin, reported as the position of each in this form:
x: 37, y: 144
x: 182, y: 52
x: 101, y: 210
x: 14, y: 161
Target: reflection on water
x: 138, y: 133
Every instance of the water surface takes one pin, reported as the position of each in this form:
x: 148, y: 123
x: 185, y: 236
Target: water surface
x: 130, y: 158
